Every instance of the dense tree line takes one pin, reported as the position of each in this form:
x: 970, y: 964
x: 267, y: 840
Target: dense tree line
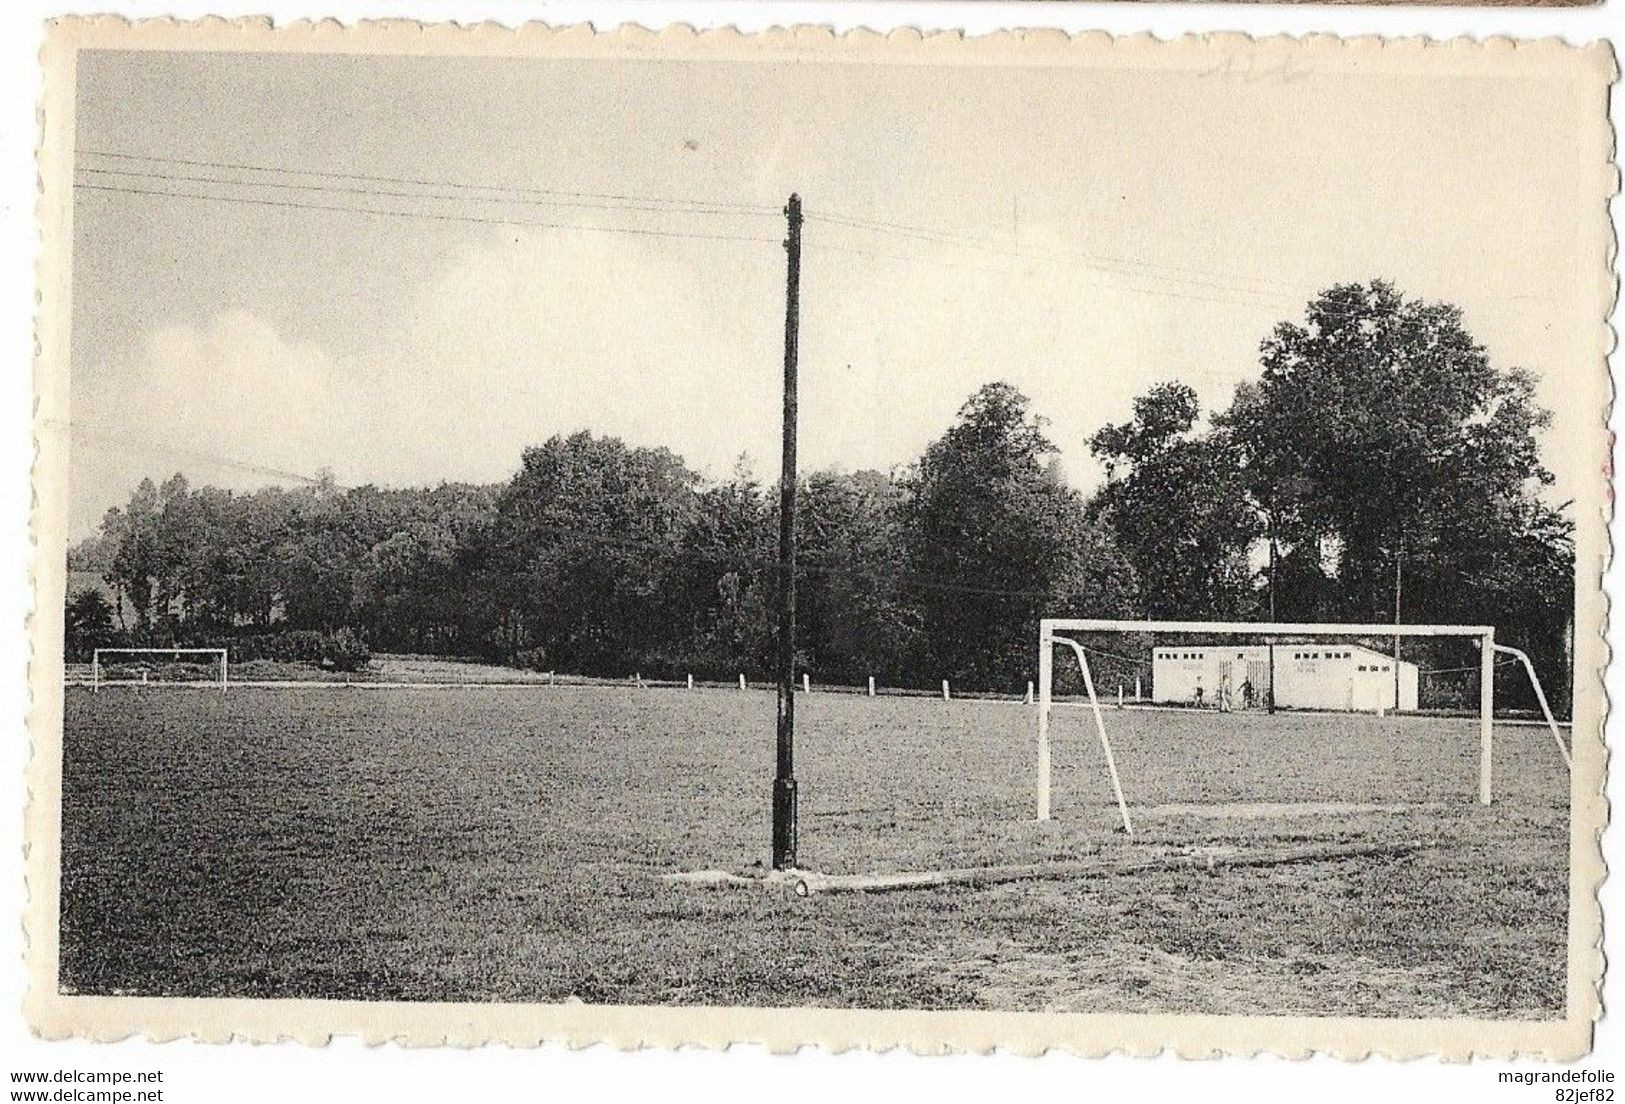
x: 1379, y: 455
x: 605, y: 559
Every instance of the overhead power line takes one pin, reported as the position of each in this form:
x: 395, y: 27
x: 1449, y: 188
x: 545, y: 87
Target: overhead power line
x: 108, y: 437
x: 1179, y: 282
x: 430, y: 182
x: 341, y: 189
x: 430, y: 216
x: 914, y: 259
x: 1129, y: 266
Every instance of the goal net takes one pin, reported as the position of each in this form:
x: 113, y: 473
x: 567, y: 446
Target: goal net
x: 205, y: 667
x: 1253, y: 712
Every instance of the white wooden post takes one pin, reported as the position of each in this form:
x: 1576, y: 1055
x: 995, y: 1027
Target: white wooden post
x: 1136, y: 687
x: 550, y: 678
x: 944, y: 689
x: 806, y: 683
x: 1119, y: 695
x: 1486, y: 715
x: 691, y: 682
x: 741, y: 680
x: 1029, y: 700
x: 95, y: 670
x: 1046, y: 664
x: 871, y: 686
x: 225, y: 658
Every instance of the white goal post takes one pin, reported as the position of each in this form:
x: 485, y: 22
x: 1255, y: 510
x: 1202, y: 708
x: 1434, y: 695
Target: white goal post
x: 1055, y: 631
x: 97, y: 682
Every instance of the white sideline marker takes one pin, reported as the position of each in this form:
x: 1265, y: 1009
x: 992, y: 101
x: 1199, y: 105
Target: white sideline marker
x: 945, y: 690
x: 871, y: 686
x: 1029, y: 700
x: 741, y: 680
x: 691, y: 682
x: 806, y: 683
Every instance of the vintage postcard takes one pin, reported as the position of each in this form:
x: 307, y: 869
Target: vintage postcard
x: 863, y: 541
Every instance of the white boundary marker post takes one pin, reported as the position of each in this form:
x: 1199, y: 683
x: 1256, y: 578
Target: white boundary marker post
x: 1137, y: 694
x: 944, y: 689
x: 691, y: 682
x: 741, y: 681
x: 1119, y: 695
x: 871, y: 686
x: 806, y: 683
x: 1029, y: 700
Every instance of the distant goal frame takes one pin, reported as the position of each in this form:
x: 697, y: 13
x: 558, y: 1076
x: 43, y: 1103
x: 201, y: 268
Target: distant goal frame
x: 96, y: 681
x: 1052, y: 632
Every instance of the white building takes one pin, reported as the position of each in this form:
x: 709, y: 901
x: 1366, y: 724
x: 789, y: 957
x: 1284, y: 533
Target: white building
x: 1306, y: 676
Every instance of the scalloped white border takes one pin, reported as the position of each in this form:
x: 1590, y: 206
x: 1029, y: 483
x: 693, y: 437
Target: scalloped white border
x: 54, y: 1015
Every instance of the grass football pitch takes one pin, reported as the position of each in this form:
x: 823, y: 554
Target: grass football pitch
x: 507, y: 844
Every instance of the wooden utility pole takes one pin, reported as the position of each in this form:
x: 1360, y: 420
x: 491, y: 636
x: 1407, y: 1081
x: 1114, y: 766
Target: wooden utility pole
x: 784, y: 780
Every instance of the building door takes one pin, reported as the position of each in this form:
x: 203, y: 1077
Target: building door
x: 1258, y: 673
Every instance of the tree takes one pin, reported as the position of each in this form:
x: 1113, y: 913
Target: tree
x: 721, y: 589
x: 1181, y: 512
x: 582, y: 541
x: 1381, y: 437
x: 996, y: 541
x: 87, y: 624
x: 855, y: 613
x: 1382, y: 426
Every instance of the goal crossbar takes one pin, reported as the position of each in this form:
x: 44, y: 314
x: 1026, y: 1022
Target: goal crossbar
x: 1053, y: 631
x: 1052, y: 625
x: 97, y: 654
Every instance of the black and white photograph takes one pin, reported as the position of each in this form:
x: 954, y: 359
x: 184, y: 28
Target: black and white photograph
x: 1072, y: 542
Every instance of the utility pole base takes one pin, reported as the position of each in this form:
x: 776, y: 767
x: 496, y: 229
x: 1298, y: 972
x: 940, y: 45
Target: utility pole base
x: 784, y: 824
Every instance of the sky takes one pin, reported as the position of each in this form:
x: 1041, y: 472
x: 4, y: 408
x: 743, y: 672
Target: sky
x: 1082, y: 233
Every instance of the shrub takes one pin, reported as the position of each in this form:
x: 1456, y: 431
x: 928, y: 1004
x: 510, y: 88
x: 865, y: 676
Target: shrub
x: 344, y: 650
x: 531, y: 659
